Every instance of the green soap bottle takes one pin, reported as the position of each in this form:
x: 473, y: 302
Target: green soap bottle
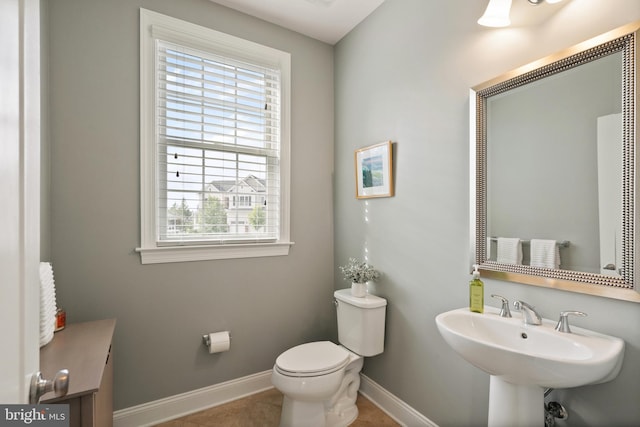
x: 476, y: 292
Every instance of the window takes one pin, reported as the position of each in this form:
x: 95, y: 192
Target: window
x: 214, y: 143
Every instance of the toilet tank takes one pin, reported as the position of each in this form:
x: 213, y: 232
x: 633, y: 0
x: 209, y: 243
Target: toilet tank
x: 361, y: 322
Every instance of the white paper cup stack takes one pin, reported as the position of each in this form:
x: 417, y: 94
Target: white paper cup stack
x: 48, y: 305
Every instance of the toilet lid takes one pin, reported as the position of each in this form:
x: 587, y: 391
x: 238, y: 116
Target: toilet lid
x: 312, y: 359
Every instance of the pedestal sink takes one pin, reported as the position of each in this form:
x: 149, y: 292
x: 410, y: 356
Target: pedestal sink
x: 523, y: 360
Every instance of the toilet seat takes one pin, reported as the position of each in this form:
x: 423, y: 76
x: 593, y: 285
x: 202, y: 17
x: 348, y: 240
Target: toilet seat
x: 312, y: 359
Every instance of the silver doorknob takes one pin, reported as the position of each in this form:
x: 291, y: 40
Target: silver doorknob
x: 40, y: 386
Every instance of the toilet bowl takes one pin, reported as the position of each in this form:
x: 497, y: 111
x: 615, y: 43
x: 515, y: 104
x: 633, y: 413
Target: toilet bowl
x: 319, y: 381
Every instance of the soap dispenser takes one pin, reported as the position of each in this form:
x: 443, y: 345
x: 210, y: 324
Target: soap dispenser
x: 476, y: 292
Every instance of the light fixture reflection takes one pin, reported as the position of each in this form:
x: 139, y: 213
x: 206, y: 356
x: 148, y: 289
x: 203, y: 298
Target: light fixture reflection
x: 497, y: 14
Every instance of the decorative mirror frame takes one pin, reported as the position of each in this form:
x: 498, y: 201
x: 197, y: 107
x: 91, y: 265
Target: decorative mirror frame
x: 625, y: 40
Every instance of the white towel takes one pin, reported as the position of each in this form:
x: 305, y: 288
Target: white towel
x: 545, y: 253
x: 509, y: 250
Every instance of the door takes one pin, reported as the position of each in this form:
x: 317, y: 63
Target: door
x: 20, y: 197
x: 610, y: 193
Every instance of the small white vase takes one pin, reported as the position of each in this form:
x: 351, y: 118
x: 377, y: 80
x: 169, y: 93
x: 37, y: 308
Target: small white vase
x: 358, y: 289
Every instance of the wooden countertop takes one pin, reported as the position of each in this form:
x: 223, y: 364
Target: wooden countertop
x: 82, y: 348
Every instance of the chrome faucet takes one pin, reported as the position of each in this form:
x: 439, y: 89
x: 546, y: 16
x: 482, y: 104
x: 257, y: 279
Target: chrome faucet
x: 529, y: 314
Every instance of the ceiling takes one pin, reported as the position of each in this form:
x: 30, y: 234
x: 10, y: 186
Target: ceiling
x: 330, y: 20
x: 325, y: 20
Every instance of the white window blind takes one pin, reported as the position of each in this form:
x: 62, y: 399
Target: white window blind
x: 218, y: 148
x: 214, y: 144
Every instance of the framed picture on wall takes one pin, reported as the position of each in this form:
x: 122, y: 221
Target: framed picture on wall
x: 374, y: 177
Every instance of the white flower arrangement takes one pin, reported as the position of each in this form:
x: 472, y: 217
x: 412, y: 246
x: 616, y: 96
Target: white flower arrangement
x: 359, y: 272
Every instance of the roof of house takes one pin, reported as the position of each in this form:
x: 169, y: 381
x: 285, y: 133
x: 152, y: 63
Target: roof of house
x: 226, y: 186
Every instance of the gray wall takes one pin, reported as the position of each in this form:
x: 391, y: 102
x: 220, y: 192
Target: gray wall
x: 268, y: 304
x: 404, y: 75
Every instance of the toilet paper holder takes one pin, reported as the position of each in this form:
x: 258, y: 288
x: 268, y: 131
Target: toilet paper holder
x: 206, y: 340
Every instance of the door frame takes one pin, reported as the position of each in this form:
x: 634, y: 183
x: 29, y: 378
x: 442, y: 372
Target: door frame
x: 20, y: 194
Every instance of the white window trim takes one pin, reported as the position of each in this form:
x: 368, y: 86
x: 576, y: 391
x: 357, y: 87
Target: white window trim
x: 178, y: 31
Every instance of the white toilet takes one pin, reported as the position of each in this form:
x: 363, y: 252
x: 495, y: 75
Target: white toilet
x: 320, y: 380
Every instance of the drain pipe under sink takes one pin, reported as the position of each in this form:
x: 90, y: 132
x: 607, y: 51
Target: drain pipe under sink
x: 553, y: 410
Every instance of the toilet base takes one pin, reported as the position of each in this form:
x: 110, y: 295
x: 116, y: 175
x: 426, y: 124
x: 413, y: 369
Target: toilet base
x: 339, y: 410
x: 302, y: 414
x: 343, y: 418
x: 342, y: 409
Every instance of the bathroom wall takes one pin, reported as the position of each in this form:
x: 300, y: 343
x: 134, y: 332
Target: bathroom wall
x: 404, y: 75
x: 268, y: 304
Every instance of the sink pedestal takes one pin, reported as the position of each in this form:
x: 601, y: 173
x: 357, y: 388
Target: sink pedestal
x: 515, y: 405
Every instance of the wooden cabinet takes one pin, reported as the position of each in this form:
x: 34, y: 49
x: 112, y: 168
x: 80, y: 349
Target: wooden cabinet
x: 85, y: 350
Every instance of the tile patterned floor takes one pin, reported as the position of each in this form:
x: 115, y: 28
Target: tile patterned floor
x: 263, y: 410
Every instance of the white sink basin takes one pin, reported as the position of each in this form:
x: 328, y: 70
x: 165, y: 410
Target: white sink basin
x: 536, y: 355
x: 523, y: 360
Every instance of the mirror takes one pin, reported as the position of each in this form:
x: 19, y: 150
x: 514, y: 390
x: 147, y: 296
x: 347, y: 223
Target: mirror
x: 553, y: 169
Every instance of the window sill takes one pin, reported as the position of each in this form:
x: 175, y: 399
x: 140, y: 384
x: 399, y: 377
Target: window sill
x: 159, y: 255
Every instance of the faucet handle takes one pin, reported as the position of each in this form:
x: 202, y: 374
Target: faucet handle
x: 504, y: 310
x: 563, y: 322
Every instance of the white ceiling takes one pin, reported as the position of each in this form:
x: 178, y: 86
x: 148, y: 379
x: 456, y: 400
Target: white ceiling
x: 325, y: 20
x: 330, y: 20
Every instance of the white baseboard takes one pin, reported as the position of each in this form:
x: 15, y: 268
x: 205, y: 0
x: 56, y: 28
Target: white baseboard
x: 158, y: 411
x: 166, y: 409
x: 394, y: 407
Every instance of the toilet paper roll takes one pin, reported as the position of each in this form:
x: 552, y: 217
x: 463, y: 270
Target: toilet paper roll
x: 219, y: 342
